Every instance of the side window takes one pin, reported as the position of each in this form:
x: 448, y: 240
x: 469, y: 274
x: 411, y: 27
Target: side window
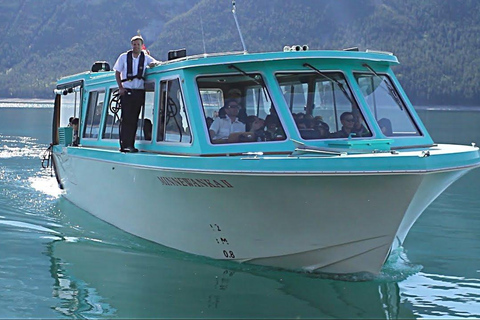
x: 94, y: 114
x: 212, y: 101
x: 238, y: 109
x: 173, y: 123
x: 145, y: 119
x: 112, y: 123
x: 385, y: 103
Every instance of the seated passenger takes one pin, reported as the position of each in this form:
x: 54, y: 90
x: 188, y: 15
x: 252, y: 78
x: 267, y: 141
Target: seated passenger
x: 305, y: 126
x: 98, y: 113
x: 236, y: 95
x: 358, y: 128
x: 301, y: 124
x: 76, y: 138
x: 224, y: 129
x: 347, y: 119
x: 386, y: 126
x: 221, y: 113
x: 273, y: 130
x: 255, y: 129
x: 322, y: 128
x: 309, y: 121
x: 209, y: 121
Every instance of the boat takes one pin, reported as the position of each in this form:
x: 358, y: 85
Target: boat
x: 308, y: 196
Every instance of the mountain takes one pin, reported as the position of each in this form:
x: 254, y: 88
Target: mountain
x: 436, y: 42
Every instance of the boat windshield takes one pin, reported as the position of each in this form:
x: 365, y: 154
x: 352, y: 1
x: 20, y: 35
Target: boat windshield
x: 386, y: 105
x: 322, y: 105
x: 238, y: 109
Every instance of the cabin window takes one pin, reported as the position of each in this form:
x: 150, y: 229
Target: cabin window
x: 145, y: 123
x: 94, y: 114
x: 66, y: 111
x: 112, y: 122
x: 322, y: 105
x: 173, y: 123
x: 238, y: 109
x: 386, y: 105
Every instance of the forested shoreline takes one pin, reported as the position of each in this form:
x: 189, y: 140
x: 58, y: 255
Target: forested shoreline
x: 436, y: 42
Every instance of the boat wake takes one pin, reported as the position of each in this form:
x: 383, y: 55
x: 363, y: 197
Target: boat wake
x: 398, y: 267
x: 46, y: 184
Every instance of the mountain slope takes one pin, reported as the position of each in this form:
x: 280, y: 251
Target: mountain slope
x: 436, y: 42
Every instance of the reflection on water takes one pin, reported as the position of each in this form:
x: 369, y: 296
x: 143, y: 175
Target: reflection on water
x: 437, y: 296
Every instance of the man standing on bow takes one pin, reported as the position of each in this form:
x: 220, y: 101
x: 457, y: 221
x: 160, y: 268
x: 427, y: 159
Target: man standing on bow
x: 129, y: 72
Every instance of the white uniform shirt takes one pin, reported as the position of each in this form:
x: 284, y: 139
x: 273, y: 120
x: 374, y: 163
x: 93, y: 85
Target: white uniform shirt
x: 224, y: 126
x: 121, y: 66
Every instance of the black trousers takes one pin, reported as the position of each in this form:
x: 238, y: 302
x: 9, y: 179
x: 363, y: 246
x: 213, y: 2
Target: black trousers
x: 131, y: 104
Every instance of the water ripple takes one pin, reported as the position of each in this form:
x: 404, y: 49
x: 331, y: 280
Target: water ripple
x: 18, y: 146
x: 441, y: 296
x: 26, y: 225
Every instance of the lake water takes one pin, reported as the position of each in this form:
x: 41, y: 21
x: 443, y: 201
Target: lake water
x: 57, y: 261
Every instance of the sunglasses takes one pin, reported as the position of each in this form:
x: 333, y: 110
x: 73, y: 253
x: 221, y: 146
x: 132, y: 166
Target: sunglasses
x: 233, y: 106
x: 350, y: 120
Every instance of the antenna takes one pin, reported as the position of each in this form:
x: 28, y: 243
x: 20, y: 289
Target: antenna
x: 203, y: 38
x: 238, y: 27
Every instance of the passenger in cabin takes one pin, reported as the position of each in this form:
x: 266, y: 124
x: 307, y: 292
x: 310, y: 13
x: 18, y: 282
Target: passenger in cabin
x: 129, y: 72
x: 236, y: 95
x: 209, y: 121
x: 273, y: 116
x: 70, y: 121
x: 309, y: 121
x: 225, y: 129
x: 348, y: 120
x: 300, y: 122
x: 273, y: 130
x: 310, y: 128
x: 299, y: 116
x: 98, y: 113
x: 222, y: 113
x: 386, y: 126
x: 76, y: 139
x: 322, y: 128
x: 358, y: 127
x: 255, y: 130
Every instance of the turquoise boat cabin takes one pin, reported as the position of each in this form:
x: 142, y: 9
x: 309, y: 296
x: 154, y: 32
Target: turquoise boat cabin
x: 329, y: 100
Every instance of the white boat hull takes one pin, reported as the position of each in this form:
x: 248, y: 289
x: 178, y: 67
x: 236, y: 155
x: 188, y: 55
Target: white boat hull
x: 323, y: 223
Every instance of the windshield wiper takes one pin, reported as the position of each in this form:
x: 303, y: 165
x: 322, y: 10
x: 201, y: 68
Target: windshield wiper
x: 391, y: 91
x: 251, y: 77
x: 339, y: 84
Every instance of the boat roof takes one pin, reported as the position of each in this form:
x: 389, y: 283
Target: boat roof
x: 223, y: 58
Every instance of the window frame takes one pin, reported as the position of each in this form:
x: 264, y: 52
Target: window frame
x: 403, y: 106
x: 332, y: 114
x: 221, y: 82
x: 163, y: 92
x: 90, y: 116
